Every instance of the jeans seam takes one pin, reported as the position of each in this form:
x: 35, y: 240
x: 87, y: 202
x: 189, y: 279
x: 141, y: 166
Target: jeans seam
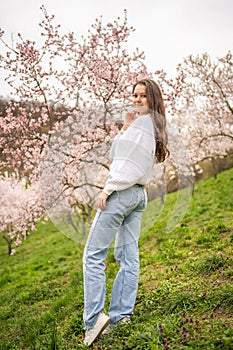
x: 122, y: 254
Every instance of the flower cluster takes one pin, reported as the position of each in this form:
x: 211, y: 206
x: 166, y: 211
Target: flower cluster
x: 20, y: 209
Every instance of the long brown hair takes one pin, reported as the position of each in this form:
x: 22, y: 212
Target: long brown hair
x: 157, y: 111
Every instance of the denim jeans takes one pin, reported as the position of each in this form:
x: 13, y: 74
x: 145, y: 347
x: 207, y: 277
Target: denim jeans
x: 121, y: 220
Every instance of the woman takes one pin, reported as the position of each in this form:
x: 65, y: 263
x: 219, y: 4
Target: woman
x: 141, y: 141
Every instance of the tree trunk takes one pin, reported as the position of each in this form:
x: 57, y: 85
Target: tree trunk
x: 8, y: 244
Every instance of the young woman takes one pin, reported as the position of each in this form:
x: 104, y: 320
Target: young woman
x: 141, y: 141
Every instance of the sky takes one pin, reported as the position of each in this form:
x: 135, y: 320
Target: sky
x: 166, y: 30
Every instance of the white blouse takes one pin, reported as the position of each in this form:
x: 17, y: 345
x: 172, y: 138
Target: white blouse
x: 133, y: 156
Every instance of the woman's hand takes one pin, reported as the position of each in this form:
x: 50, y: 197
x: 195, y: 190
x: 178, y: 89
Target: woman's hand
x: 102, y: 200
x: 129, y: 118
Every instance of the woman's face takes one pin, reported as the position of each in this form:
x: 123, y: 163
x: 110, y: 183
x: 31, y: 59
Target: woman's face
x: 140, y: 100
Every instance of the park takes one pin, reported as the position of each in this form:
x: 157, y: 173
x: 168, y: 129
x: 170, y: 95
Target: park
x: 69, y: 98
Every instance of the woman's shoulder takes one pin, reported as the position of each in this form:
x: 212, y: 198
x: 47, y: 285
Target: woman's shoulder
x: 143, y: 122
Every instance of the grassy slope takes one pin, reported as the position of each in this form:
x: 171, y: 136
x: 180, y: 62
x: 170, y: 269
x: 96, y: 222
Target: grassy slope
x: 185, y: 297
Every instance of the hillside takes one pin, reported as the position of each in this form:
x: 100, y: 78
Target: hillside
x: 185, y: 297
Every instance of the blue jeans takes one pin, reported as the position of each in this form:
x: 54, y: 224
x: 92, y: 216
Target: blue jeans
x: 120, y: 220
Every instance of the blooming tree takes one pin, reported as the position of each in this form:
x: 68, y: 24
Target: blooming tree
x: 201, y: 106
x: 20, y: 209
x: 55, y: 74
x: 68, y: 95
x: 200, y: 99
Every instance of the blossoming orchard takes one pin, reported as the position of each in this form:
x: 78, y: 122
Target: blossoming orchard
x: 68, y: 102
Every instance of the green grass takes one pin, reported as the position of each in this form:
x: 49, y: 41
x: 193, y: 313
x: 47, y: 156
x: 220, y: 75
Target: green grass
x: 185, y: 296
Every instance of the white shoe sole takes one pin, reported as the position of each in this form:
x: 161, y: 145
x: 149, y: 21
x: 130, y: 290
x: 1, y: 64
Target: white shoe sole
x: 98, y: 329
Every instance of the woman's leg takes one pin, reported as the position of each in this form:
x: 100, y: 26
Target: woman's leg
x: 127, y: 255
x: 103, y: 230
x: 123, y: 213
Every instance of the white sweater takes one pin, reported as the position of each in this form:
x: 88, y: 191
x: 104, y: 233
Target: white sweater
x: 133, y: 155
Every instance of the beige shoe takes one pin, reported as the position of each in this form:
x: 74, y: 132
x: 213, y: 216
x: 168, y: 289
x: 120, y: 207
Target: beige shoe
x: 92, y: 334
x: 109, y: 328
x: 125, y: 319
